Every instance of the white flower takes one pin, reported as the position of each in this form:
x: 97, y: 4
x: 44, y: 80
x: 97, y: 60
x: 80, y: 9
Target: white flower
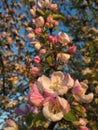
x: 63, y: 57
x: 57, y: 84
x: 79, y: 90
x: 11, y: 125
x: 63, y: 38
x: 37, y: 45
x: 39, y: 22
x: 44, y: 3
x: 55, y: 108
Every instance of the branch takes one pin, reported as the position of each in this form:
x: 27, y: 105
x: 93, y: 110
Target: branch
x: 3, y: 75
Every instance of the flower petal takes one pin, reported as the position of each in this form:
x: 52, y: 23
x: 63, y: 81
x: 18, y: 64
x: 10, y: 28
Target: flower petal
x: 69, y: 81
x: 43, y: 83
x: 57, y: 77
x: 50, y: 116
x: 87, y: 98
x: 55, y: 108
x: 79, y: 90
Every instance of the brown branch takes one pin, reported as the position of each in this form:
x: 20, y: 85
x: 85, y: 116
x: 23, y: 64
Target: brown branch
x: 3, y: 75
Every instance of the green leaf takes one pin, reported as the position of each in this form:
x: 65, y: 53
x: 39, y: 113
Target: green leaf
x: 29, y: 119
x: 70, y: 116
x: 34, y: 119
x: 78, y: 108
x: 38, y: 117
x: 58, y: 16
x: 40, y: 12
x: 49, y: 59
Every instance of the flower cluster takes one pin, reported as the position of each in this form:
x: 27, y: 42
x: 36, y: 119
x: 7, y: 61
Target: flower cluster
x: 44, y: 39
x: 57, y: 96
x: 48, y: 93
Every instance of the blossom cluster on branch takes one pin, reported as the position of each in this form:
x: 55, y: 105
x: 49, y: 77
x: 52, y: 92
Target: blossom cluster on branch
x: 54, y: 95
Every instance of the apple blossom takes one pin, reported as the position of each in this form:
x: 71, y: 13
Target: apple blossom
x: 52, y: 39
x: 50, y: 19
x: 43, y: 51
x: 39, y: 22
x: 29, y: 29
x: 37, y: 31
x: 63, y: 38
x: 31, y: 35
x: 55, y: 108
x: 37, y: 45
x: 56, y: 23
x: 57, y: 84
x: 72, y: 49
x: 54, y: 7
x: 44, y: 3
x: 63, y: 57
x: 35, y: 70
x: 79, y: 90
x: 37, y: 59
x: 33, y: 11
x: 11, y: 125
x: 69, y: 81
x: 35, y: 97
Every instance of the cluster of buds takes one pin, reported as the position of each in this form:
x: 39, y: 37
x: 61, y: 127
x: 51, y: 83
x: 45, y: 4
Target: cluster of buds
x: 42, y: 37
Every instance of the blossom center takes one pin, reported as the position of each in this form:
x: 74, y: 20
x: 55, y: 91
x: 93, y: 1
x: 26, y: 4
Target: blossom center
x: 56, y: 108
x: 56, y: 85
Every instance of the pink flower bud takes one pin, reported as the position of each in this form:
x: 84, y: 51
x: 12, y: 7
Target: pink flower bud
x: 56, y: 23
x: 75, y: 103
x: 31, y: 35
x: 47, y: 24
x: 37, y: 59
x: 52, y: 39
x: 43, y: 51
x: 38, y: 31
x: 11, y: 123
x: 35, y: 70
x: 72, y: 49
x: 35, y: 110
x: 84, y: 109
x: 50, y: 19
x: 83, y: 128
x: 53, y: 7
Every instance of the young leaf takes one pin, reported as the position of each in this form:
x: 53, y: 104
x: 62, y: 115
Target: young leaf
x: 78, y: 108
x: 58, y: 16
x: 49, y: 59
x: 40, y: 12
x: 70, y: 116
